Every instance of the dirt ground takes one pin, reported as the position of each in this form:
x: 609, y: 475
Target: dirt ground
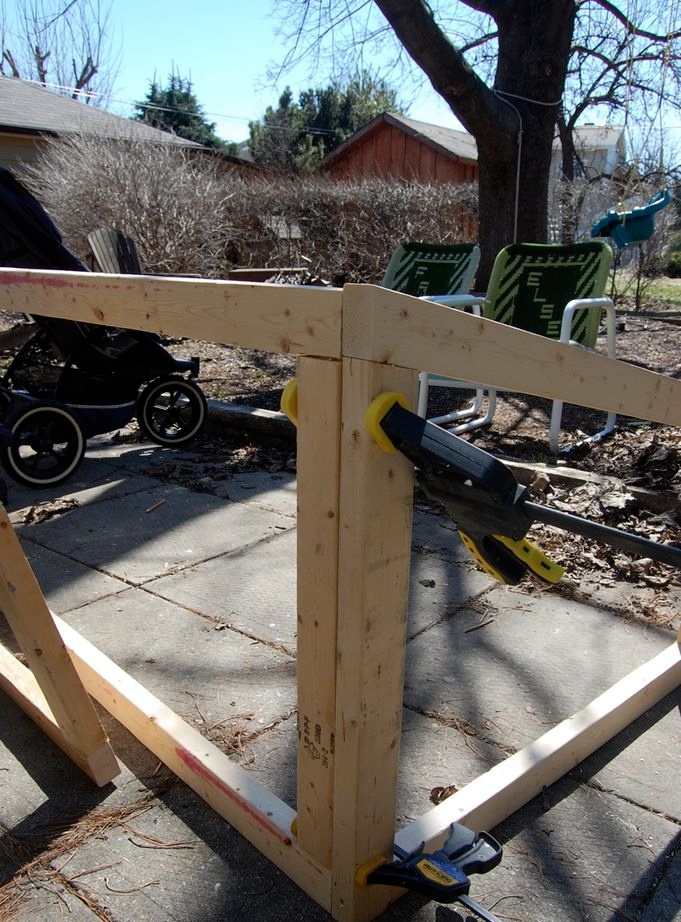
x: 630, y: 480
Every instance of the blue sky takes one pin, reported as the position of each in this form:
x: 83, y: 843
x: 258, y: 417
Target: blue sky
x: 225, y: 47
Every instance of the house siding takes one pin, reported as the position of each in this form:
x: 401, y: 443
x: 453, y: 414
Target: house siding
x: 18, y: 149
x: 389, y: 153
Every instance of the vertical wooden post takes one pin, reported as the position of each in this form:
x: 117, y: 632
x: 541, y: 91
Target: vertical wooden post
x: 318, y: 465
x: 51, y: 693
x: 376, y: 492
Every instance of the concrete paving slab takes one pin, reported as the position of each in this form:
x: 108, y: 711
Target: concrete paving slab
x: 161, y: 530
x: 271, y: 758
x: 598, y: 846
x: 271, y: 491
x: 434, y: 755
x: 433, y: 532
x: 21, y: 791
x: 49, y: 899
x: 644, y: 602
x: 665, y: 903
x: 26, y: 505
x: 253, y: 592
x: 577, y: 854
x: 534, y: 666
x: 65, y: 583
x: 212, y: 678
x: 437, y: 587
x: 639, y: 763
x: 170, y: 866
x: 537, y: 660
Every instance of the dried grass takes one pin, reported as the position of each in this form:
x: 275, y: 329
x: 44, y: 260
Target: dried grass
x: 37, y: 857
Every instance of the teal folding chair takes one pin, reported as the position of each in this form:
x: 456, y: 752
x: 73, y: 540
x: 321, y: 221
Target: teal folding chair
x: 552, y: 290
x: 443, y: 273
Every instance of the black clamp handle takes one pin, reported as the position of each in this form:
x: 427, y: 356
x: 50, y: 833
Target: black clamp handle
x: 493, y: 513
x: 441, y: 875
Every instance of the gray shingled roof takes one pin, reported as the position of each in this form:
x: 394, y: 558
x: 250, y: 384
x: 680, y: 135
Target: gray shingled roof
x: 31, y: 109
x: 462, y: 145
x: 457, y: 142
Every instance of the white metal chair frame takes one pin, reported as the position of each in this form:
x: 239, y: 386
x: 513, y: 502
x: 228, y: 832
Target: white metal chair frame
x: 471, y: 416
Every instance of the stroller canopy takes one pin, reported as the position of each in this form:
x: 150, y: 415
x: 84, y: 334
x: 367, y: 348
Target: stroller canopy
x: 29, y: 238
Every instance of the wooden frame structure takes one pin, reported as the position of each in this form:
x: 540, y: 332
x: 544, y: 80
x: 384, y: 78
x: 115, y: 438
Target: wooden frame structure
x: 354, y: 520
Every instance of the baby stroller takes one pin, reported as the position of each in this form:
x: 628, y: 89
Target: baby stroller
x: 71, y: 380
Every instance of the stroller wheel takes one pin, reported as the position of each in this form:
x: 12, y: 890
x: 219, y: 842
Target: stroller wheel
x: 171, y: 411
x: 47, y: 446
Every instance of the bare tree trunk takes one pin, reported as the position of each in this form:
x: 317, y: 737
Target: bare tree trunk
x: 513, y: 122
x: 514, y: 181
x: 569, y: 204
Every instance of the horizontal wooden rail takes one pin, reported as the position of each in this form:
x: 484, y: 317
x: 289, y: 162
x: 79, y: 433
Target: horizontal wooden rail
x: 384, y: 326
x: 377, y: 325
x: 293, y: 319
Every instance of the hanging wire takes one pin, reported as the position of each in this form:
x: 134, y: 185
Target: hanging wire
x: 501, y: 95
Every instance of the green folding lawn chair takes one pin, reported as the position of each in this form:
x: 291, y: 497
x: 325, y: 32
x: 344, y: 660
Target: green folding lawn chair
x: 426, y: 269
x: 552, y: 290
x: 443, y: 273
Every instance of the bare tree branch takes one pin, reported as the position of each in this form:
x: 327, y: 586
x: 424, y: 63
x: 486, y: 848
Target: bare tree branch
x: 40, y: 58
x: 61, y: 43
x: 83, y: 77
x: 446, y: 68
x: 7, y: 56
x: 478, y: 42
x: 631, y: 27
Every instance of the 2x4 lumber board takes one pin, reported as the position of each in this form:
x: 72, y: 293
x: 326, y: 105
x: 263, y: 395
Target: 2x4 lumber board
x: 232, y: 792
x: 277, y: 318
x: 19, y: 684
x: 376, y: 494
x: 30, y: 620
x: 495, y: 795
x: 318, y: 465
x: 380, y: 325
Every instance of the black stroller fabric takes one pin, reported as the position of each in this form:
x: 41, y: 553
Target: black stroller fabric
x: 87, y: 375
x: 29, y: 238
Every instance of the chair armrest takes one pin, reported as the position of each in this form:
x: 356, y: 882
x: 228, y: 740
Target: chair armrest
x: 460, y: 302
x: 599, y: 304
x: 454, y: 300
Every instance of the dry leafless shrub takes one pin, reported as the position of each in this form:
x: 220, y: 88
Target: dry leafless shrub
x: 189, y: 214
x: 170, y: 200
x: 346, y: 228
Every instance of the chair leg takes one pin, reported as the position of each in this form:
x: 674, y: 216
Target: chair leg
x: 422, y: 405
x: 472, y: 410
x: 480, y: 421
x: 554, y: 426
x: 554, y: 429
x: 557, y: 406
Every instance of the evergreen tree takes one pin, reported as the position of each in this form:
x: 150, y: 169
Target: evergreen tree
x: 295, y: 136
x: 175, y: 108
